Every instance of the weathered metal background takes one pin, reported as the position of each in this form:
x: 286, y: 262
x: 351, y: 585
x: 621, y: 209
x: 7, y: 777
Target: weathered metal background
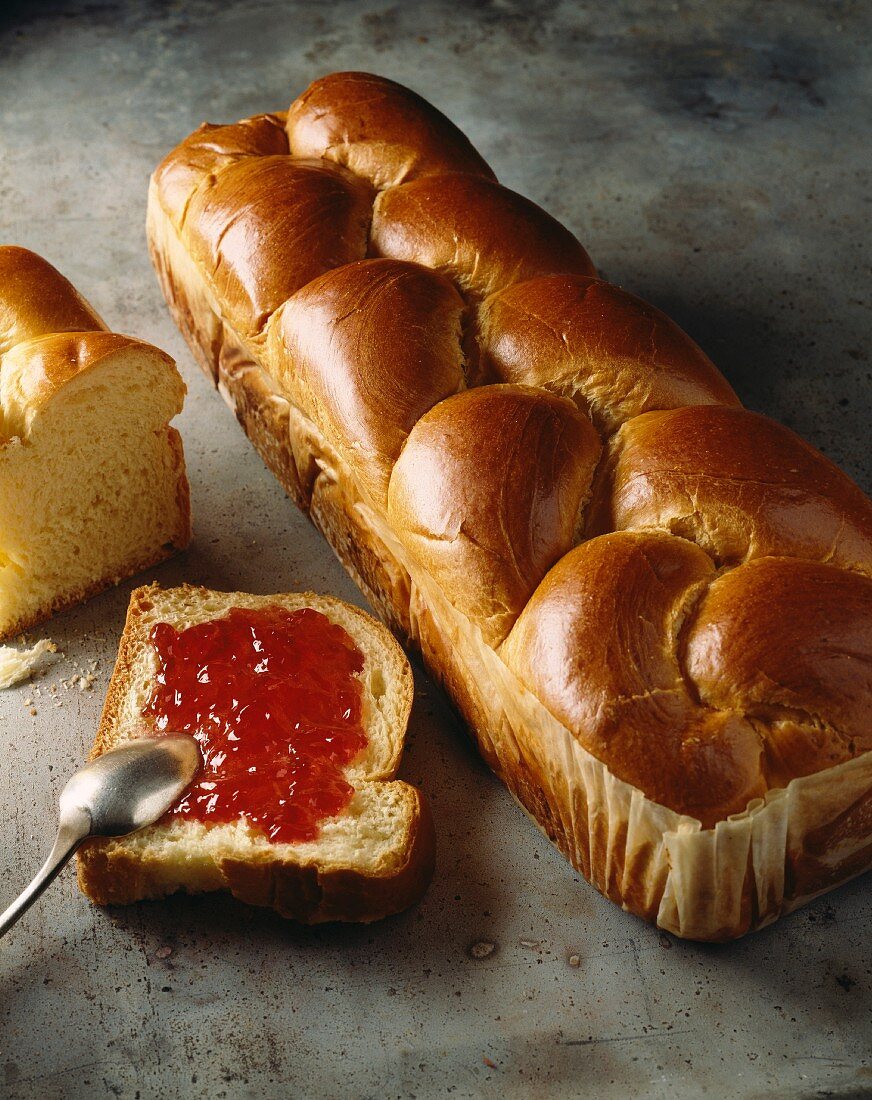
x: 711, y: 156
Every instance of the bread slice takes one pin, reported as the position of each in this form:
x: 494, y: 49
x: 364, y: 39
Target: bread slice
x: 92, y: 476
x: 373, y: 859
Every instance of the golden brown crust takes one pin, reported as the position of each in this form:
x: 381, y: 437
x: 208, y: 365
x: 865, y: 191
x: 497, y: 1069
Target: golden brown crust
x: 735, y: 482
x: 488, y: 493
x: 379, y: 130
x: 337, y: 513
x: 789, y: 644
x: 613, y: 354
x: 131, y: 639
x: 265, y: 226
x: 184, y: 530
x: 207, y: 151
x: 597, y: 643
x: 623, y: 853
x: 194, y: 313
x: 36, y: 299
x: 264, y: 414
x: 716, y: 882
x: 327, y: 343
x: 483, y: 236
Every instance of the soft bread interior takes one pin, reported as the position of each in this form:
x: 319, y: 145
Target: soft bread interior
x: 92, y: 483
x: 370, y: 837
x: 373, y: 837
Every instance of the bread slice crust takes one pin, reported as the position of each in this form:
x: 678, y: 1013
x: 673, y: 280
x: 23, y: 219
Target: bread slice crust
x: 311, y: 882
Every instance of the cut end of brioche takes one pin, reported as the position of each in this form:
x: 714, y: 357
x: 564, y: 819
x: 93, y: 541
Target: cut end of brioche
x: 373, y: 859
x: 92, y: 476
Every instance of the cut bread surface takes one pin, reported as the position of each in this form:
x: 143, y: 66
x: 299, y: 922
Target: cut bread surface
x: 372, y: 859
x: 92, y: 475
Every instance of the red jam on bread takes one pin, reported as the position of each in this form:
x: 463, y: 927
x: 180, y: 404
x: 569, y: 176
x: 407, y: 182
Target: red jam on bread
x: 274, y: 699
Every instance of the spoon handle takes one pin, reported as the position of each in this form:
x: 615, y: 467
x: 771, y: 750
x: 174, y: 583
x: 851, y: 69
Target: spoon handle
x: 71, y: 832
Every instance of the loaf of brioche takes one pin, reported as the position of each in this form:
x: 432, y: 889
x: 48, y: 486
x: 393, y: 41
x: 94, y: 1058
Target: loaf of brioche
x: 373, y: 859
x: 92, y: 477
x: 652, y: 607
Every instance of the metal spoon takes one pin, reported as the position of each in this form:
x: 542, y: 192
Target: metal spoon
x: 121, y: 791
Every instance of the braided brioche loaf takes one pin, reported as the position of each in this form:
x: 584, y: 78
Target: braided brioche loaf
x: 652, y: 606
x: 92, y: 475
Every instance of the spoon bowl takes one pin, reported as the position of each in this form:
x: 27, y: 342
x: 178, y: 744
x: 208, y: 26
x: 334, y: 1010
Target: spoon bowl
x: 118, y: 793
x: 132, y: 786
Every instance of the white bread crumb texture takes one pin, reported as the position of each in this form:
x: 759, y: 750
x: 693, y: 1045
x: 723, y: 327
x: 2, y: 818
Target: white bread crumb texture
x: 18, y: 665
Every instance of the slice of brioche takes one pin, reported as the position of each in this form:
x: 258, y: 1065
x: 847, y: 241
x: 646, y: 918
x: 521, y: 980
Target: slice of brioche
x: 373, y: 859
x: 92, y: 477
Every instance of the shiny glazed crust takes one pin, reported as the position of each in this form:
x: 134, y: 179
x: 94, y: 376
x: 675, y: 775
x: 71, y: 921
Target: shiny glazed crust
x: 562, y: 504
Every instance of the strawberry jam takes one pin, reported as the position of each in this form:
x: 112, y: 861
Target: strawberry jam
x: 274, y: 700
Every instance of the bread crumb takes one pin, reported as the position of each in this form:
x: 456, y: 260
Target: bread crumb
x: 481, y: 949
x: 163, y: 952
x: 17, y: 665
x: 574, y: 961
x: 81, y: 680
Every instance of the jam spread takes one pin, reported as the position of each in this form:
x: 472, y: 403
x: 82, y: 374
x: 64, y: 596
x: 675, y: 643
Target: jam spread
x: 274, y: 700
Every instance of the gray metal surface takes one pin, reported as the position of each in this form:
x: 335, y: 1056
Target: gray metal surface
x: 711, y: 157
